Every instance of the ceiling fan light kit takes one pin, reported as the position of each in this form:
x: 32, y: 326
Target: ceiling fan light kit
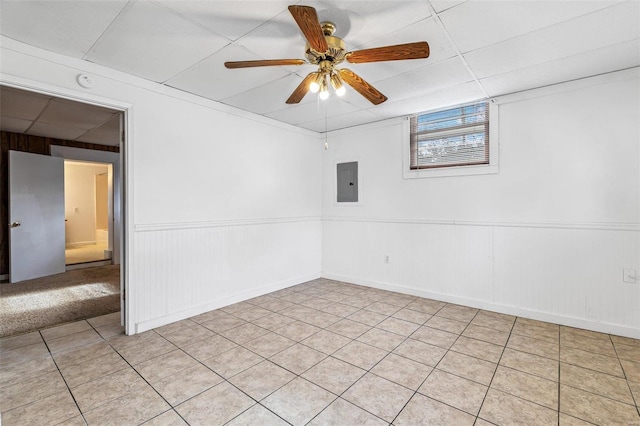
x: 336, y: 82
x: 327, y: 51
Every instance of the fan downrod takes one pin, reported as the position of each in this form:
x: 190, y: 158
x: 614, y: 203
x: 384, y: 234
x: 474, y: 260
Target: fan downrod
x: 328, y: 28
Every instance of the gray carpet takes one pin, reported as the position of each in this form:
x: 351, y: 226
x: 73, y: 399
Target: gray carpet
x: 57, y: 299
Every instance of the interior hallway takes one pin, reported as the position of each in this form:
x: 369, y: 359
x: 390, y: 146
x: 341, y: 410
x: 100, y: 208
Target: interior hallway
x: 323, y: 353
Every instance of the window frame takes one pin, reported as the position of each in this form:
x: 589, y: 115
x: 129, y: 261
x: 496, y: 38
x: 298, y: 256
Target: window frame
x: 454, y: 170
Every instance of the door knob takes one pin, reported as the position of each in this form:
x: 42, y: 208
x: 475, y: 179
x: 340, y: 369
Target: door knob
x: 14, y: 225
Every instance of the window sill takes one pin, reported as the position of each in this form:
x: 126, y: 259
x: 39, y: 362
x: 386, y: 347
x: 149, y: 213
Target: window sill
x: 451, y: 171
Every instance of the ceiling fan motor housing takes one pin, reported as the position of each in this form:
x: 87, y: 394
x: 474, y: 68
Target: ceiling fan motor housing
x: 337, y: 51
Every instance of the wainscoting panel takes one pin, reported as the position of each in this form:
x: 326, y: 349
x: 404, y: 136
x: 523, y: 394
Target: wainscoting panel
x: 566, y: 274
x: 576, y: 273
x: 183, y: 270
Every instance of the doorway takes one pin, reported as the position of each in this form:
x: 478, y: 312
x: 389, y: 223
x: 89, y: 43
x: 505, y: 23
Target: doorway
x: 21, y: 129
x: 88, y: 213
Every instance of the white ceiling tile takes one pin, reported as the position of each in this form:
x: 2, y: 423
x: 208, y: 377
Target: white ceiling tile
x: 266, y: 98
x: 611, y: 58
x: 21, y: 104
x: 359, y: 22
x: 426, y: 30
x: 67, y: 27
x: 606, y: 27
x: 314, y: 126
x: 280, y: 38
x: 107, y: 134
x: 318, y: 109
x: 150, y: 41
x: 443, y: 74
x: 14, y: 125
x: 476, y: 24
x: 73, y: 114
x: 442, y: 5
x: 451, y: 96
x: 510, y: 45
x: 231, y: 19
x: 356, y: 98
x: 341, y: 121
x: 212, y: 80
x: 56, y: 132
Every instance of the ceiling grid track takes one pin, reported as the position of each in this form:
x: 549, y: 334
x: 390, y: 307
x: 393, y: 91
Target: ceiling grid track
x: 436, y: 17
x: 39, y: 115
x: 126, y: 7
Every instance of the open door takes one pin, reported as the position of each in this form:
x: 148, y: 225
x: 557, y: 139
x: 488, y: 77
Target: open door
x: 36, y: 216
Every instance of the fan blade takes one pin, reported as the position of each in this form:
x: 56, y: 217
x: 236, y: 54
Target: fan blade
x: 301, y: 90
x: 264, y: 63
x: 307, y: 19
x: 398, y: 52
x: 361, y: 86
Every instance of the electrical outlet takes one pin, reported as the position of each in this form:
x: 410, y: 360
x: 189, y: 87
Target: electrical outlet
x: 629, y: 276
x: 386, y: 258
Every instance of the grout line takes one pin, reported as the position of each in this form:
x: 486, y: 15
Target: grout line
x: 448, y: 350
x: 366, y: 370
x: 351, y: 340
x: 224, y: 379
x: 62, y: 376
x: 154, y: 389
x: 132, y: 368
x: 498, y: 364
x: 256, y: 401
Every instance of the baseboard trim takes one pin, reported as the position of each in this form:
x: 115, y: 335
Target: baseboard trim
x: 146, y: 325
x: 616, y: 329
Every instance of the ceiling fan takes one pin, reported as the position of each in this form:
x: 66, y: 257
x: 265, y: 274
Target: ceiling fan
x: 327, y: 51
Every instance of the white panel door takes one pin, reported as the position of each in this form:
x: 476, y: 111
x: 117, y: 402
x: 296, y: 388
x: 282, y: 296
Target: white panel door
x: 36, y: 216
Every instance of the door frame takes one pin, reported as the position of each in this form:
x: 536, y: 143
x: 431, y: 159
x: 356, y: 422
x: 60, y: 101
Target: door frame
x: 126, y: 176
x: 115, y: 211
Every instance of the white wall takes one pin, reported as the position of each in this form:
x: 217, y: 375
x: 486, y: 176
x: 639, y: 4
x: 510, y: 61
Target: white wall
x: 547, y: 237
x: 79, y: 202
x: 223, y: 205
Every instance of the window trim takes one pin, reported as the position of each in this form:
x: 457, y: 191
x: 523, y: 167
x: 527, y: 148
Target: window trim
x: 453, y: 170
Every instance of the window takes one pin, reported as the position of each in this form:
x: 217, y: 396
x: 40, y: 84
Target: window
x: 453, y: 137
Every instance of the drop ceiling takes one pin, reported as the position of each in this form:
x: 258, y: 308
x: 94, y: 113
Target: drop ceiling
x: 479, y: 49
x: 40, y: 115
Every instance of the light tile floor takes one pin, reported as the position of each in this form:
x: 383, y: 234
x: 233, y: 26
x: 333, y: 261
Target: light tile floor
x: 323, y: 353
